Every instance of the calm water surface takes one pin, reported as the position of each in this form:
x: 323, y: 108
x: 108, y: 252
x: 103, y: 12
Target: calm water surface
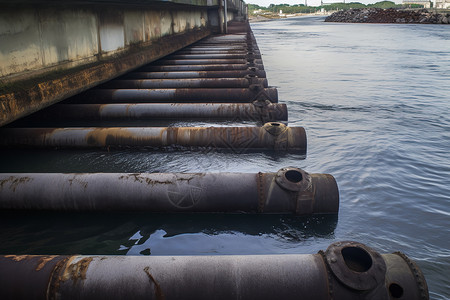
x: 375, y: 102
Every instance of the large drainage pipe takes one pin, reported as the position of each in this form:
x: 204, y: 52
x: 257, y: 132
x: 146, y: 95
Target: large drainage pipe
x: 186, y: 95
x: 142, y: 111
x: 345, y: 271
x: 213, y: 51
x: 244, y: 43
x: 224, y: 39
x: 222, y: 67
x: 249, y: 44
x: 212, y: 56
x: 272, y: 135
x: 243, y: 47
x: 290, y: 190
x: 195, y: 74
x: 184, y: 83
x: 203, y: 62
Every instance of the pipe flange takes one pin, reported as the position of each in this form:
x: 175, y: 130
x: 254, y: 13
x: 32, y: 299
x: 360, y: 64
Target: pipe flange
x: 252, y: 78
x: 293, y: 179
x: 355, y: 265
x: 253, y: 83
x: 275, y: 128
x: 261, y: 103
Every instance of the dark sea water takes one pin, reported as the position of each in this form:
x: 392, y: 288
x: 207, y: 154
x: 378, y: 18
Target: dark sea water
x: 375, y: 102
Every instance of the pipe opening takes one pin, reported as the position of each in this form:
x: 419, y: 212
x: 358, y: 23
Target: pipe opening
x: 293, y: 176
x: 357, y: 259
x: 275, y: 124
x: 395, y: 290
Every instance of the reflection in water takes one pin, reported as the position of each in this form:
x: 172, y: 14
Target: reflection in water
x: 146, y: 160
x: 159, y: 234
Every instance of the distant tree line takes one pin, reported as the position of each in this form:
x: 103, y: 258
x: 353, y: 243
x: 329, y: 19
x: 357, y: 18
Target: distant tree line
x: 301, y: 8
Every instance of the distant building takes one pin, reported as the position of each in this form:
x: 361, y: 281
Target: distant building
x: 442, y: 3
x: 425, y: 3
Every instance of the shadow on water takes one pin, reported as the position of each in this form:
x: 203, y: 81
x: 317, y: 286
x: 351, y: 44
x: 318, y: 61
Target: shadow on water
x: 157, y: 234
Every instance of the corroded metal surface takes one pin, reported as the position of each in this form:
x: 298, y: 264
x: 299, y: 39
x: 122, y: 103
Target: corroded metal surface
x: 290, y: 138
x: 215, y: 277
x: 152, y: 111
x: 214, y: 51
x: 34, y: 271
x: 186, y: 95
x: 195, y: 74
x: 211, y: 56
x: 182, y: 83
x: 169, y: 192
x: 168, y: 62
x: 219, y: 67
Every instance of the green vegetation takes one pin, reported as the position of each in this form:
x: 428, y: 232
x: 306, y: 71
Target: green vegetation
x: 301, y: 8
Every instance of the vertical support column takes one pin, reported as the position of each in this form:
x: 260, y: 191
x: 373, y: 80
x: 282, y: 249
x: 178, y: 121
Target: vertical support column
x: 225, y: 16
x: 221, y: 15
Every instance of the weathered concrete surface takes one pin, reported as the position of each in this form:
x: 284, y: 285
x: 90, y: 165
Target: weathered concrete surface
x: 36, y: 96
x: 49, y: 52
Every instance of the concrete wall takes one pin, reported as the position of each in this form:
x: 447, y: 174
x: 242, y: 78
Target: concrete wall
x: 51, y: 50
x: 33, y: 39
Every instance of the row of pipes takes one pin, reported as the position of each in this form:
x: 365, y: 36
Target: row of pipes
x: 219, y: 78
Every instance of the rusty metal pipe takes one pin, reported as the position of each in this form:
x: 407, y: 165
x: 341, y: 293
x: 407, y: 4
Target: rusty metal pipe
x: 212, y: 56
x: 164, y: 62
x: 272, y: 135
x: 242, y: 39
x: 195, y: 74
x: 143, y: 111
x: 204, y: 43
x: 290, y: 190
x: 242, y: 51
x: 242, y: 47
x: 224, y: 39
x: 194, y: 95
x: 183, y: 83
x: 345, y: 271
x: 173, y: 68
x: 246, y: 45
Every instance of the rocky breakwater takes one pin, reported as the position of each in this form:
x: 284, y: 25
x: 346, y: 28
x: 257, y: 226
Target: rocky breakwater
x: 378, y: 15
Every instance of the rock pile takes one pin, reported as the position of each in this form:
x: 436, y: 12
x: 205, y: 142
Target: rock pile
x: 378, y: 15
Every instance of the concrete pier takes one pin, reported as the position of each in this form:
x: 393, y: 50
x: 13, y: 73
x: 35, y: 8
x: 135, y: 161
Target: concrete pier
x: 53, y: 50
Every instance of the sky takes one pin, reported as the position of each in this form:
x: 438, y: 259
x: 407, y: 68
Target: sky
x: 266, y: 3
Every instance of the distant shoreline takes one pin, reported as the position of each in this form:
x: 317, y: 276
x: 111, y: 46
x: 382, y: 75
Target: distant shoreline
x: 271, y: 17
x: 390, y: 15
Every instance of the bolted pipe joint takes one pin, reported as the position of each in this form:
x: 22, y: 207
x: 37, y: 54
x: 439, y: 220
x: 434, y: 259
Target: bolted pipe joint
x: 254, y: 83
x: 266, y: 111
x: 275, y: 128
x: 355, y: 268
x: 308, y: 193
x: 293, y: 179
x: 283, y: 137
